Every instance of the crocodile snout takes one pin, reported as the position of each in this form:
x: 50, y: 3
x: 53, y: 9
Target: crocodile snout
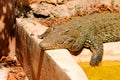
x: 43, y: 45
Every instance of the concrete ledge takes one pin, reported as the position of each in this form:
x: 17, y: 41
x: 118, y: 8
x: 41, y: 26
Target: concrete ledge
x: 51, y: 65
x: 111, y: 53
x: 65, y: 61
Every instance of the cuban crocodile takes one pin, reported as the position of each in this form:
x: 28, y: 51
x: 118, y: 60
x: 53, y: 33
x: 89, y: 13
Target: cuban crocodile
x: 90, y: 31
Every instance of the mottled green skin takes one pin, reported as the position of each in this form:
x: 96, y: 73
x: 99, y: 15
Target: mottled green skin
x: 88, y: 31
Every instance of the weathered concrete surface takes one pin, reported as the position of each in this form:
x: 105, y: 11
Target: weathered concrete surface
x: 51, y: 65
x: 27, y: 49
x: 4, y: 72
x: 7, y: 39
x: 64, y: 60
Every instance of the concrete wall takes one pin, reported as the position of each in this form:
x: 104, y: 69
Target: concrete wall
x: 39, y: 65
x: 6, y: 27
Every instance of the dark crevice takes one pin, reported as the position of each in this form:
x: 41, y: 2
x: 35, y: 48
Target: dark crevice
x: 40, y: 15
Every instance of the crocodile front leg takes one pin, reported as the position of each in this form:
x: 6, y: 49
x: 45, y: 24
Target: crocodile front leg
x: 96, y: 46
x: 77, y: 47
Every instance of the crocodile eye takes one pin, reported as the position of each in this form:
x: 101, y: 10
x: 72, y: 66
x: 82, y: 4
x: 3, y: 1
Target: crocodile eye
x: 60, y: 42
x: 69, y: 41
x: 65, y: 33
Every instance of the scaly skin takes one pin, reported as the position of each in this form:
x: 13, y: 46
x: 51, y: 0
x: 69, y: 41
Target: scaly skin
x: 84, y: 32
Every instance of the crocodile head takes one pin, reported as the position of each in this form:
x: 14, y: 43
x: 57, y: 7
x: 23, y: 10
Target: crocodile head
x: 58, y: 37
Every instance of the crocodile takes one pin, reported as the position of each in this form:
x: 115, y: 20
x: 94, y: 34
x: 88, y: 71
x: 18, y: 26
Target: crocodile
x: 89, y: 31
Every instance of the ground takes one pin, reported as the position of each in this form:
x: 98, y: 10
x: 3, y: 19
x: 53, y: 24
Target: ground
x: 10, y: 69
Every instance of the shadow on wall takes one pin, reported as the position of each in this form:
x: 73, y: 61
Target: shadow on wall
x: 6, y: 26
x: 21, y: 3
